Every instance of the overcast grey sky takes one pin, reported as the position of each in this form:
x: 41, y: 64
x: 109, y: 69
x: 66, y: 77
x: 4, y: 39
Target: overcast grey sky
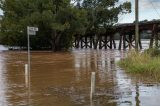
x: 149, y: 9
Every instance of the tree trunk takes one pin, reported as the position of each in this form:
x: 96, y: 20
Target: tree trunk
x: 55, y: 41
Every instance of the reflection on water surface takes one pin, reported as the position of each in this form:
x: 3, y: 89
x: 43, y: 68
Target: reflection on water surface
x: 63, y: 79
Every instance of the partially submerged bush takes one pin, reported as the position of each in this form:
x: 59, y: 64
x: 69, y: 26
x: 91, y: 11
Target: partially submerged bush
x: 143, y: 63
x: 153, y: 52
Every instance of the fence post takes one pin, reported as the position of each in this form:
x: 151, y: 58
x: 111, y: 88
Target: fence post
x: 26, y: 75
x: 92, y: 85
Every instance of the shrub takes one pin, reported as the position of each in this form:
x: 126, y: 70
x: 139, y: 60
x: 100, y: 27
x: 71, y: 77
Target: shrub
x: 145, y: 63
x: 153, y: 52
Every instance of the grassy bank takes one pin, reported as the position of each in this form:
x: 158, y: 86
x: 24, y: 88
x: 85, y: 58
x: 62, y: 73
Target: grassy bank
x: 146, y: 63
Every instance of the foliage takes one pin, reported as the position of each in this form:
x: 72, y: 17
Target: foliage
x: 153, y: 52
x: 104, y: 13
x: 142, y: 63
x: 57, y: 20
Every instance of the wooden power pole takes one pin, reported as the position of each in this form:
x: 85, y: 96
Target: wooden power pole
x: 136, y: 24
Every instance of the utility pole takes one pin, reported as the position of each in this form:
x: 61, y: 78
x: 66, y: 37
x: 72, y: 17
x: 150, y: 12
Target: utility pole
x: 136, y: 24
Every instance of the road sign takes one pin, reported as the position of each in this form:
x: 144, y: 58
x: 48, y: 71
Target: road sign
x: 32, y: 30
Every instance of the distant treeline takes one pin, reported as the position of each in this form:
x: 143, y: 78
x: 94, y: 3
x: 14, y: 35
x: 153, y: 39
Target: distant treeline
x: 143, y: 35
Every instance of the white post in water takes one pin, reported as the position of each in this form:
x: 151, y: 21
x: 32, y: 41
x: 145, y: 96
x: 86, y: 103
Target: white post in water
x: 27, y: 84
x: 26, y: 75
x: 93, y: 76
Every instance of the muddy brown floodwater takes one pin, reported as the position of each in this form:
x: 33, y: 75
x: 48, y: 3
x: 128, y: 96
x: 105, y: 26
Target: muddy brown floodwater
x: 63, y: 79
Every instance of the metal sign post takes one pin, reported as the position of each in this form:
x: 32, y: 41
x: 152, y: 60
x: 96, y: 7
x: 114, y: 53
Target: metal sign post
x: 30, y: 31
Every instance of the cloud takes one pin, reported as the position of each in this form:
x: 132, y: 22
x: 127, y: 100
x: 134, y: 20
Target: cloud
x: 147, y: 11
x: 148, y: 4
x: 145, y: 4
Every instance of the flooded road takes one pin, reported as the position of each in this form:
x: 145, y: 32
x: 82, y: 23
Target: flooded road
x: 63, y: 79
x: 3, y: 48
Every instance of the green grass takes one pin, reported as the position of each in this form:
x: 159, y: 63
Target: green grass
x: 142, y: 63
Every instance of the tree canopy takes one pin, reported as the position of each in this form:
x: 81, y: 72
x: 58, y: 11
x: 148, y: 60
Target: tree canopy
x: 57, y: 20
